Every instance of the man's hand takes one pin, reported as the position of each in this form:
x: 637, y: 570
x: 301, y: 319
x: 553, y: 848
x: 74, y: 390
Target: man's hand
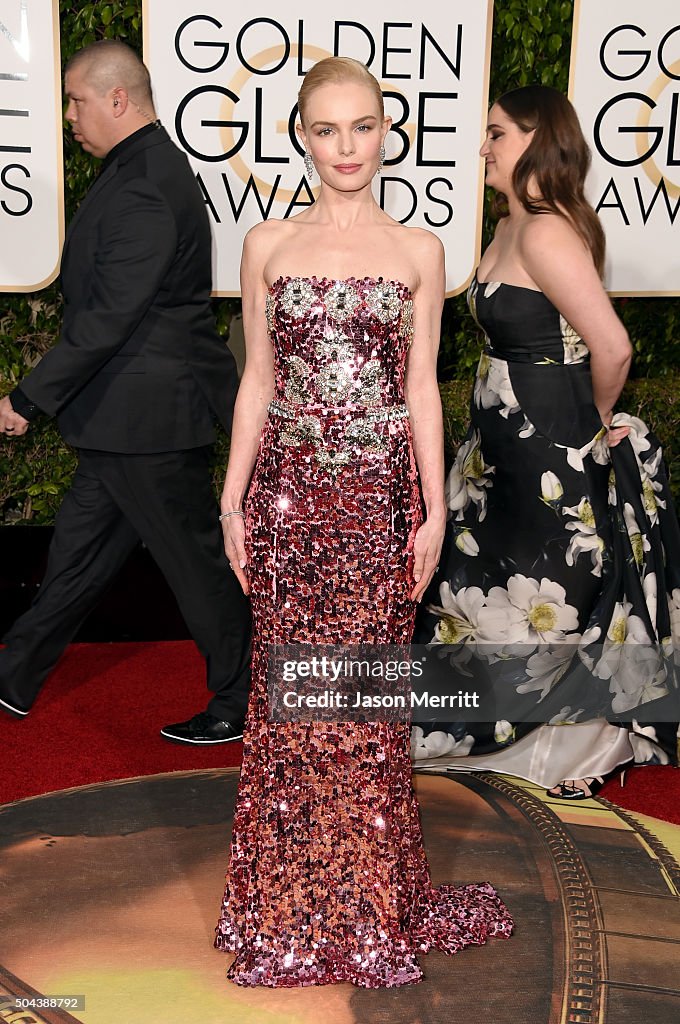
x: 11, y: 423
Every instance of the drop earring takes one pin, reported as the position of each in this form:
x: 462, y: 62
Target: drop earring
x: 382, y: 158
x: 309, y: 164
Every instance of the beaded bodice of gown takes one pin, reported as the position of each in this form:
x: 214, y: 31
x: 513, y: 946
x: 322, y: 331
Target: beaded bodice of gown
x: 328, y: 879
x: 340, y: 352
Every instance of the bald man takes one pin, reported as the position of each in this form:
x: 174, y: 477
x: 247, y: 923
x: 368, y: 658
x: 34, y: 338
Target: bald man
x: 136, y: 380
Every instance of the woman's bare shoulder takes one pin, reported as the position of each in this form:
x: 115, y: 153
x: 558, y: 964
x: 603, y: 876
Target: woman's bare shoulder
x: 424, y: 248
x: 547, y: 228
x: 263, y: 239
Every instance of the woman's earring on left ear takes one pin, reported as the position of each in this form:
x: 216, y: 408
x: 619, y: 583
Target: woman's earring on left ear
x: 382, y: 159
x: 309, y: 164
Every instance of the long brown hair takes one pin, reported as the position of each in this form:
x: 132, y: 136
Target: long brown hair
x: 557, y: 160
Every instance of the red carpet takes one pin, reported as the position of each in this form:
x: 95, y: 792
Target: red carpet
x: 98, y: 718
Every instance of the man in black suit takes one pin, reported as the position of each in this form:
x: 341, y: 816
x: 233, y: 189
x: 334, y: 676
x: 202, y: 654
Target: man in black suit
x: 135, y: 380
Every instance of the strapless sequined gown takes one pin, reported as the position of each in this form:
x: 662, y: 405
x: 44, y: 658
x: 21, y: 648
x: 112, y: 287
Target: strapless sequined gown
x: 328, y: 880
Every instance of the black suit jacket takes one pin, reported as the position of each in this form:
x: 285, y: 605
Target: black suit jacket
x: 139, y: 366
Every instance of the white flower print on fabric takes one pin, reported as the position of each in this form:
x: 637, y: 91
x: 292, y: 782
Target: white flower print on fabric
x: 575, y: 349
x: 528, y: 429
x: 438, y: 743
x: 469, y: 478
x: 465, y: 542
x: 632, y: 664
x: 459, y: 615
x: 645, y: 748
x: 493, y: 387
x: 551, y: 489
x: 504, y: 732
x: 649, y: 589
x: 547, y: 666
x: 651, y: 487
x: 575, y: 456
x: 528, y: 612
x: 611, y: 488
x: 585, y: 537
x: 638, y: 431
x: 600, y: 449
x: 566, y: 716
x: 638, y: 540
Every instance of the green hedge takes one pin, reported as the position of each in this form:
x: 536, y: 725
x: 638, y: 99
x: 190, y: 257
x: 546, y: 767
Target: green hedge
x: 531, y: 42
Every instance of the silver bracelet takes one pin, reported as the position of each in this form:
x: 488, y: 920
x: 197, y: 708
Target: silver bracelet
x: 236, y: 512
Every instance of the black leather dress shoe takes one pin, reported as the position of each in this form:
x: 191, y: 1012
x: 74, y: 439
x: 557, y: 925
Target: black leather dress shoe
x: 204, y: 729
x: 11, y: 707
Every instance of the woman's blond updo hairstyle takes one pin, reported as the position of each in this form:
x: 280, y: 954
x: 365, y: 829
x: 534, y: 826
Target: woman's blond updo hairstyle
x: 335, y: 71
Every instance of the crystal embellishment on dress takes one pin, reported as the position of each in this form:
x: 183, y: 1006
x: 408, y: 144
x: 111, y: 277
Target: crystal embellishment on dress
x: 304, y: 430
x: 297, y: 380
x: 333, y: 382
x: 341, y: 300
x: 298, y: 297
x: 346, y: 370
x: 337, y: 346
x: 358, y: 434
x: 333, y: 461
x: 406, y: 320
x: 384, y: 302
x: 371, y: 383
x: 362, y: 433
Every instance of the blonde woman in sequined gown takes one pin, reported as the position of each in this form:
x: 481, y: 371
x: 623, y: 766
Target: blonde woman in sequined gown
x: 337, y: 432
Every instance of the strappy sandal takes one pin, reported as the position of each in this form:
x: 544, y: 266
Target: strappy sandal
x: 592, y: 784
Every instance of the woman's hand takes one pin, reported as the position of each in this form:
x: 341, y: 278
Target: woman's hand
x: 614, y: 434
x: 426, y: 551
x: 234, y: 531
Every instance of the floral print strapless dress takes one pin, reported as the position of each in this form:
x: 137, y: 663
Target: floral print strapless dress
x: 559, y: 582
x: 328, y: 880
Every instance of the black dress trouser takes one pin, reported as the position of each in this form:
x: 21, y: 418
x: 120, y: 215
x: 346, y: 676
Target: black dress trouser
x: 167, y: 501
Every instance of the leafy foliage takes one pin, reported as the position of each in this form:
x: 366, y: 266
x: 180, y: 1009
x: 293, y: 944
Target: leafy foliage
x: 531, y: 43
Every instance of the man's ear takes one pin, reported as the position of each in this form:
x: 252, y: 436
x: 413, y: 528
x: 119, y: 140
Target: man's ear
x: 119, y: 100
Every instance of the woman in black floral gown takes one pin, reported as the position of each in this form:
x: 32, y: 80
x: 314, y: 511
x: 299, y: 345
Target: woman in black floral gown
x: 560, y: 581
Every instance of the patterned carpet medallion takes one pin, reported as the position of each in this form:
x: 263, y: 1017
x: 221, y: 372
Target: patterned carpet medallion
x: 110, y: 894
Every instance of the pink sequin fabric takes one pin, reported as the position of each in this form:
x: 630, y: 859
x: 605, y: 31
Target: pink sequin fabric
x: 328, y: 880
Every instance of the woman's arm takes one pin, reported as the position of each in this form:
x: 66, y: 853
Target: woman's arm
x: 558, y: 262
x: 254, y: 395
x: 425, y: 409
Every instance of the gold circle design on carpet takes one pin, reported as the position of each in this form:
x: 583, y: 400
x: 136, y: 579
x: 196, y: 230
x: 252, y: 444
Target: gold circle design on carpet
x: 112, y: 892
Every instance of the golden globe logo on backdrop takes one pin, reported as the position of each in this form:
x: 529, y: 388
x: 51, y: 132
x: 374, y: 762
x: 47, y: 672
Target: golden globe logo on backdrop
x: 625, y: 84
x: 31, y: 169
x: 226, y: 85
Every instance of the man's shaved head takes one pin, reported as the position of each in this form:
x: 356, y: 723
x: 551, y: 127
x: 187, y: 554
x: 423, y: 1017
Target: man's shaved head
x: 109, y: 64
x: 109, y: 96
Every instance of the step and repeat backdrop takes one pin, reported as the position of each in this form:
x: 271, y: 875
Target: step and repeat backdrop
x: 226, y: 79
x: 31, y: 175
x: 226, y: 85
x: 625, y: 85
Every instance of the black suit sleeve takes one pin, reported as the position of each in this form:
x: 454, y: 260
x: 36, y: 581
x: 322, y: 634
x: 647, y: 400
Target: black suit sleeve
x: 136, y: 246
x: 21, y: 404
